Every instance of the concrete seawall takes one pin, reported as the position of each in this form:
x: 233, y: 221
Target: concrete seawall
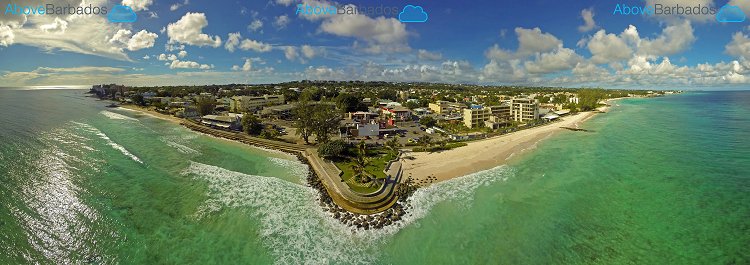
x: 326, y: 173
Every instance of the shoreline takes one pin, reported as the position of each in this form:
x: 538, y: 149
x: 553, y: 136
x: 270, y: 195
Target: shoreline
x: 427, y: 168
x: 332, y: 203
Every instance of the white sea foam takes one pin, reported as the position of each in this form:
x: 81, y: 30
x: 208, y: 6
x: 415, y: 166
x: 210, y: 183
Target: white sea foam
x: 109, y: 141
x: 297, y: 230
x: 116, y: 116
x: 297, y: 168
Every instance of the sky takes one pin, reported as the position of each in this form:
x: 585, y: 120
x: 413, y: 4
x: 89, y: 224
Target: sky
x: 535, y: 42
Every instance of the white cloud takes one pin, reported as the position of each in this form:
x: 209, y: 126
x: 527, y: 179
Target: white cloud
x: 6, y: 36
x: 247, y: 67
x: 608, y: 47
x: 429, y: 56
x: 309, y: 52
x: 167, y: 57
x: 531, y: 41
x: 233, y: 40
x: 281, y: 21
x: 182, y: 54
x: 138, y: 5
x: 673, y: 39
x: 555, y: 61
x: 380, y: 34
x: 142, y: 40
x: 189, y: 30
x: 177, y: 5
x: 177, y: 64
x: 257, y: 46
x: 58, y: 26
x: 290, y: 53
x: 588, y: 20
x: 739, y: 46
x: 255, y: 25
x: 146, y: 57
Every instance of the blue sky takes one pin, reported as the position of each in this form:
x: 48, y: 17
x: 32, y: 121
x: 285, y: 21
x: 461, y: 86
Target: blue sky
x: 541, y: 43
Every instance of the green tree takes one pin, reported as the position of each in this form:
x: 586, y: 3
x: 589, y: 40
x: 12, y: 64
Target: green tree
x: 325, y: 121
x: 361, y: 161
x: 427, y: 121
x: 335, y: 148
x: 269, y: 133
x: 138, y: 99
x: 348, y: 102
x: 251, y: 124
x: 302, y: 119
x: 205, y: 105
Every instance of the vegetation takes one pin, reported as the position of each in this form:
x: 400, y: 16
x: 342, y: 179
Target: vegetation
x: 427, y: 121
x: 333, y: 149
x: 251, y: 124
x: 319, y: 119
x: 205, y: 105
x: 363, y: 173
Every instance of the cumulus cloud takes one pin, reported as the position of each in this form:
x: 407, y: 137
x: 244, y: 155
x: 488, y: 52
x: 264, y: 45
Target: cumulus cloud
x: 739, y: 46
x: 281, y: 21
x: 138, y: 5
x: 429, y: 56
x: 608, y: 47
x: 255, y: 25
x: 588, y: 20
x: 557, y: 60
x: 177, y: 64
x: 233, y: 40
x: 189, y: 30
x: 248, y: 44
x: 177, y: 5
x: 380, y: 34
x: 290, y: 53
x: 142, y: 40
x: 246, y: 67
x: 309, y: 52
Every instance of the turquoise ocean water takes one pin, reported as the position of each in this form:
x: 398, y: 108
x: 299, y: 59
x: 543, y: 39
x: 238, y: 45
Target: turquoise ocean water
x: 657, y: 181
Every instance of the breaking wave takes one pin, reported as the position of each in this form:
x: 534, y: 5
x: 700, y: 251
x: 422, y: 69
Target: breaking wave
x: 296, y: 230
x: 116, y: 116
x: 109, y: 141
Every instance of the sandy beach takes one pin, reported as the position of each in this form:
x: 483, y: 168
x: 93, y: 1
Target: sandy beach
x: 152, y: 113
x: 483, y: 154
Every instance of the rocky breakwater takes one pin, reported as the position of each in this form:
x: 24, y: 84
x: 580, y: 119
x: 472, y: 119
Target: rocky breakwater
x: 360, y: 221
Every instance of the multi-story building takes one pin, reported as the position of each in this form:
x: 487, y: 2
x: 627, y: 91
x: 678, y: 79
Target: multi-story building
x: 445, y: 107
x: 241, y: 104
x: 524, y: 109
x: 476, y: 116
x: 501, y: 111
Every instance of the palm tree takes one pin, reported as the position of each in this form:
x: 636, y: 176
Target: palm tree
x: 360, y: 164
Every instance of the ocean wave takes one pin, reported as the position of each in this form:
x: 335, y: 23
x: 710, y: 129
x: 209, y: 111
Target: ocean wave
x: 109, y: 141
x: 297, y: 168
x: 116, y: 116
x: 296, y: 229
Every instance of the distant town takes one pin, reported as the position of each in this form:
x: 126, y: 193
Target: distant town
x: 362, y: 127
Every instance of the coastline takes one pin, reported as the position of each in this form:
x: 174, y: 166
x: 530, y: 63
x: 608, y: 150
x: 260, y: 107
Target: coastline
x: 427, y: 168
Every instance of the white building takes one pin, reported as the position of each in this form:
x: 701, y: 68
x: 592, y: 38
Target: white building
x: 247, y: 103
x: 524, y: 109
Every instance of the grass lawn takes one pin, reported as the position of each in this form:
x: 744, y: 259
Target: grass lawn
x: 375, y: 168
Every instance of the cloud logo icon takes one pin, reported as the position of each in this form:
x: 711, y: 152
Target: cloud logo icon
x: 412, y: 14
x: 122, y: 14
x: 729, y: 13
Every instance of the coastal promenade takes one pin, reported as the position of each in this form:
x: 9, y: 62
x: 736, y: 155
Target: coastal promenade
x: 328, y: 174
